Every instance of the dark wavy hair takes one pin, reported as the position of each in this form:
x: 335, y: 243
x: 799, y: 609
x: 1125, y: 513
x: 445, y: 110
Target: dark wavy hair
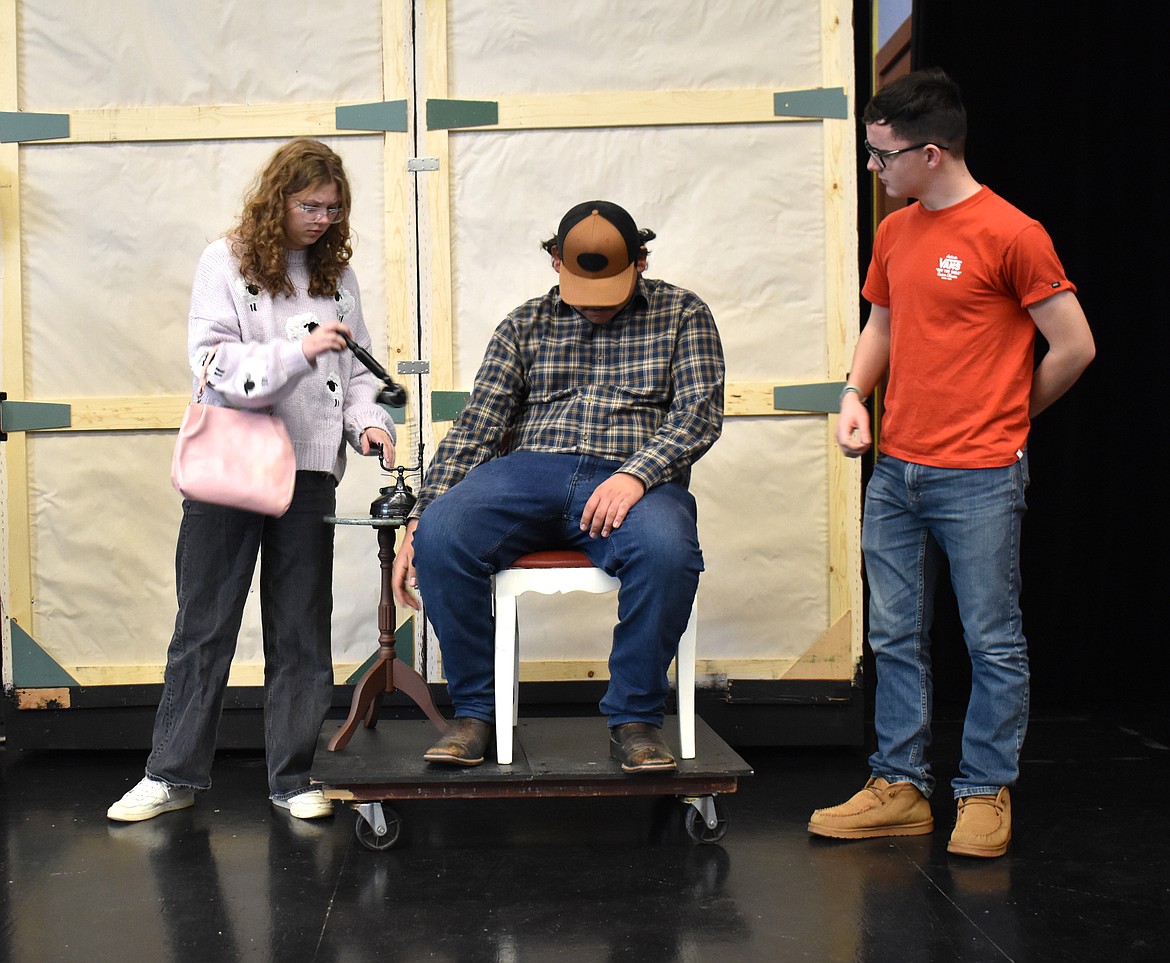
x: 259, y: 239
x: 924, y: 105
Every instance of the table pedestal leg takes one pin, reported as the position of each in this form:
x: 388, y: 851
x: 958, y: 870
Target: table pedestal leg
x: 388, y: 672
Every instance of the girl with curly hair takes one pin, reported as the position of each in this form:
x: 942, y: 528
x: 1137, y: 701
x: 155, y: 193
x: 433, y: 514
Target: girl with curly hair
x: 271, y: 307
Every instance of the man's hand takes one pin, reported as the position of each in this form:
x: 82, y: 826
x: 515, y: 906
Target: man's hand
x: 609, y: 504
x: 402, y: 574
x: 853, y: 434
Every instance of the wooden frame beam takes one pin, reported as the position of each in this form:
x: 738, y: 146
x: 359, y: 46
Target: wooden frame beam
x: 15, y: 554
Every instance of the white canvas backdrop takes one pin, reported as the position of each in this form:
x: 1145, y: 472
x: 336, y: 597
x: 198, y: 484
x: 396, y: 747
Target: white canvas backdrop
x: 111, y: 234
x: 739, y: 214
x: 107, y: 285
x: 733, y: 225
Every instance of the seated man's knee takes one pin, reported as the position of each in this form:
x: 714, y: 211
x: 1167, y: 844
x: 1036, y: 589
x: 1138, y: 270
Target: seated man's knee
x: 447, y: 517
x: 667, y: 517
x: 670, y: 551
x: 437, y: 533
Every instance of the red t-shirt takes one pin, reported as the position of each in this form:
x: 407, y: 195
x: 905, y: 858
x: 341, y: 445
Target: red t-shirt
x: 958, y: 282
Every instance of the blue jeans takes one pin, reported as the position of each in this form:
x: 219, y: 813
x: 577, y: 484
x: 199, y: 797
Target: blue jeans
x: 912, y: 514
x: 214, y: 561
x: 532, y: 501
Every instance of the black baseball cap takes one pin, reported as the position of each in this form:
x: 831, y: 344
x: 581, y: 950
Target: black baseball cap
x: 599, y: 246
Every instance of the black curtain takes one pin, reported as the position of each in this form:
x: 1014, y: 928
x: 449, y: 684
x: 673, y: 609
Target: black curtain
x: 1067, y: 110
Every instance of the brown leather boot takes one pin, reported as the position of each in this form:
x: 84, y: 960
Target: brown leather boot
x: 880, y: 809
x: 983, y: 825
x: 463, y: 745
x: 639, y: 747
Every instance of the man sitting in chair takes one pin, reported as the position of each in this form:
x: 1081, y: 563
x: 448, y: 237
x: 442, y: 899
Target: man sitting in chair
x: 603, y: 393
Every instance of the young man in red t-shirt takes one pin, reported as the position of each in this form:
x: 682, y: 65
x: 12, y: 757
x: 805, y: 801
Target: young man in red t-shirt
x: 959, y: 283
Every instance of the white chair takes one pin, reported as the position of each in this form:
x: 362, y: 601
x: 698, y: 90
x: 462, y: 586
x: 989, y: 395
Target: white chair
x: 568, y: 571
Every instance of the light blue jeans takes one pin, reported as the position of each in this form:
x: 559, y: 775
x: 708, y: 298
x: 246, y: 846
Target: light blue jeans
x: 913, y: 515
x: 532, y: 501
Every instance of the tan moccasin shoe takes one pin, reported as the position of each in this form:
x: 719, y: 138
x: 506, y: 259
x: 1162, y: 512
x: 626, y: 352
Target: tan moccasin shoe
x: 880, y: 809
x: 983, y: 825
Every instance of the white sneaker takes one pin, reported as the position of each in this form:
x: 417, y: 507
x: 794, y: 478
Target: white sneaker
x: 148, y: 799
x: 310, y: 804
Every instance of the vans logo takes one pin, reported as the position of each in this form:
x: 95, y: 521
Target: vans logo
x: 950, y: 267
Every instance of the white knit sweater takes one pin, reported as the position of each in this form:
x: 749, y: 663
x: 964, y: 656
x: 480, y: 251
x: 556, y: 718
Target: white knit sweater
x: 260, y: 364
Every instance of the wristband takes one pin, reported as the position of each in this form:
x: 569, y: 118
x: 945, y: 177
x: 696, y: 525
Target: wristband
x: 846, y: 390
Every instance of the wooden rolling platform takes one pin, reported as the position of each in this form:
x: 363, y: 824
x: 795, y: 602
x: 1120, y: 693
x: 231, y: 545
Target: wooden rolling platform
x: 553, y: 757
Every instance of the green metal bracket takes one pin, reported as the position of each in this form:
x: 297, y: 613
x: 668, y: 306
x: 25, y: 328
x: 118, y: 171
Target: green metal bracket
x: 404, y: 642
x: 32, y: 666
x: 387, y: 115
x: 18, y: 126
x: 403, y: 649
x: 397, y: 415
x: 446, y: 405
x: 827, y: 102
x: 445, y: 114
x: 823, y: 396
x: 31, y: 416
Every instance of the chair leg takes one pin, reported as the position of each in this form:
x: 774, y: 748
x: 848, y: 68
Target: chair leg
x: 506, y: 676
x: 516, y: 675
x: 685, y: 679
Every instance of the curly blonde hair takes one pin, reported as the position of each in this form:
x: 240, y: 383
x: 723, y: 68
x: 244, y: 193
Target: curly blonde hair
x: 259, y: 238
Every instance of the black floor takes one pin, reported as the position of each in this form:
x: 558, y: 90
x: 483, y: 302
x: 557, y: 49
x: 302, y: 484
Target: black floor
x: 594, y: 879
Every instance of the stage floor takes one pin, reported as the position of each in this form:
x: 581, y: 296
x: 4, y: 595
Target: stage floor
x: 591, y: 879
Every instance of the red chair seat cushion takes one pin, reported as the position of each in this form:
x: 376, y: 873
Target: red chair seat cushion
x: 564, y: 558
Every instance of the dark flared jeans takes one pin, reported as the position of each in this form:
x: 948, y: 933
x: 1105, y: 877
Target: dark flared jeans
x: 214, y: 562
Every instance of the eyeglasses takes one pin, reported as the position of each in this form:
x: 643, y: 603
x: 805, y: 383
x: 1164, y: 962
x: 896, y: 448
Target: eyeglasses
x: 315, y: 213
x: 881, y: 156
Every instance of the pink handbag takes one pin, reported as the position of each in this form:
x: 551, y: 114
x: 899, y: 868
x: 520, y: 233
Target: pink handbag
x: 241, y: 459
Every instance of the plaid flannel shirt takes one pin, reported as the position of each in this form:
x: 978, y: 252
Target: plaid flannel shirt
x: 645, y: 390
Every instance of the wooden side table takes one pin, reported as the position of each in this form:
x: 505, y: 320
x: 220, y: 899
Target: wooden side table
x: 388, y: 672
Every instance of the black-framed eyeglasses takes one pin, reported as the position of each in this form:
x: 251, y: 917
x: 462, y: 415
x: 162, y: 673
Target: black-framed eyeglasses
x: 314, y: 213
x: 881, y: 156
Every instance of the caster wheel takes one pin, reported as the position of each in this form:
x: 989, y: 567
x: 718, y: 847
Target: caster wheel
x: 369, y: 837
x: 698, y: 829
